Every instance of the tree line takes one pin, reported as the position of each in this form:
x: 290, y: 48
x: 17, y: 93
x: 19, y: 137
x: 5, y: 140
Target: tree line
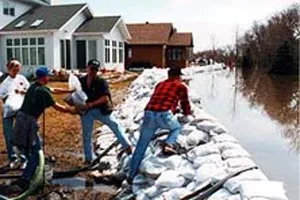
x: 272, y: 45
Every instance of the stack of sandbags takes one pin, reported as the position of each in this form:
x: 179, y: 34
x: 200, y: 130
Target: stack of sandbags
x: 208, y: 153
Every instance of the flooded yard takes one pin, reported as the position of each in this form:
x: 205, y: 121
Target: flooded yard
x: 262, y: 112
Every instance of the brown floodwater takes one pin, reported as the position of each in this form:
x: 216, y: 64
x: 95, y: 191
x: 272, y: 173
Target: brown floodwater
x: 262, y: 112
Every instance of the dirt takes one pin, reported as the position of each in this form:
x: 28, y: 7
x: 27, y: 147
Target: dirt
x: 63, y: 138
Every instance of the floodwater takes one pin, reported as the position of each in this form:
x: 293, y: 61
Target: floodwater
x: 262, y: 112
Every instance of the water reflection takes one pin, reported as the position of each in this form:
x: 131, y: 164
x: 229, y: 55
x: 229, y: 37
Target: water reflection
x: 279, y: 97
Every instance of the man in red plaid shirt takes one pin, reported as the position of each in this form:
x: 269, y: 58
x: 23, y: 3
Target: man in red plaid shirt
x: 159, y: 113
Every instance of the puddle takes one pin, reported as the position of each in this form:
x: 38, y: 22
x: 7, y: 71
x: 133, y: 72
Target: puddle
x: 78, y: 183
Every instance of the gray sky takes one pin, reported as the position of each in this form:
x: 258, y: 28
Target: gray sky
x: 206, y: 19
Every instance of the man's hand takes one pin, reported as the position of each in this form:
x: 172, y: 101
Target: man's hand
x: 72, y: 110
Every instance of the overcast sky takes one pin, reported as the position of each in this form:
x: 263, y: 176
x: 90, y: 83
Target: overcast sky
x: 206, y: 19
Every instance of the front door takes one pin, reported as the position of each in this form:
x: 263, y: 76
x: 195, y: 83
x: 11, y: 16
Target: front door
x: 81, y: 54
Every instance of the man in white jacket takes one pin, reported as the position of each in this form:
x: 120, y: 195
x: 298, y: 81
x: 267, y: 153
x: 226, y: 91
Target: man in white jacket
x: 12, y: 90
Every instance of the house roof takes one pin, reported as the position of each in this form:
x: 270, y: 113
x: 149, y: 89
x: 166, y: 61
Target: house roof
x: 54, y: 17
x: 98, y: 24
x: 149, y: 33
x: 181, y: 39
x: 39, y: 2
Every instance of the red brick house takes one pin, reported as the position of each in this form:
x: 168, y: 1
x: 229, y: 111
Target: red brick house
x: 158, y: 44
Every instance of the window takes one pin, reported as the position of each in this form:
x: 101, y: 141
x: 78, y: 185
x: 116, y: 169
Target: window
x: 107, y: 51
x: 114, y: 51
x: 65, y: 54
x: 130, y: 53
x: 175, y: 54
x: 36, y: 23
x: 33, y: 56
x: 121, y: 50
x: 25, y: 55
x: 20, y: 24
x: 41, y: 41
x: 8, y: 9
x: 92, y: 49
x: 30, y: 51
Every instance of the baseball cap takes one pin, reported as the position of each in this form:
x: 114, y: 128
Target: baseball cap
x: 174, y: 71
x: 94, y: 64
x: 42, y: 72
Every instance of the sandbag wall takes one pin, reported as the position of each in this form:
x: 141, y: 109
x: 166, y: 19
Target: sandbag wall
x: 208, y: 152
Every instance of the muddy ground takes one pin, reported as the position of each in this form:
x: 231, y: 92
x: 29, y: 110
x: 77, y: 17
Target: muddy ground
x: 63, y: 139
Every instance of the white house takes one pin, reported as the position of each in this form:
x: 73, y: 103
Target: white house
x: 63, y: 36
x: 12, y: 9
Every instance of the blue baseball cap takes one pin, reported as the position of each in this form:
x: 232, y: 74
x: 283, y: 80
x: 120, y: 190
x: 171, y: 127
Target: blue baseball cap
x: 42, y: 72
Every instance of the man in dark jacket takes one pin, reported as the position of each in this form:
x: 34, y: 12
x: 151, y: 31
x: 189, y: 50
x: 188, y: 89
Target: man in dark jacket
x: 98, y: 107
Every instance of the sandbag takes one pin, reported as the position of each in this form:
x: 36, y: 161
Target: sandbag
x: 12, y: 104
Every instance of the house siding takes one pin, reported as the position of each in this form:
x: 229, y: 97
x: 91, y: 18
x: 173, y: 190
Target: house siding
x: 66, y: 33
x: 147, y: 53
x: 20, y: 9
x: 100, y: 45
x: 49, y: 57
x: 183, y: 62
x: 114, y: 35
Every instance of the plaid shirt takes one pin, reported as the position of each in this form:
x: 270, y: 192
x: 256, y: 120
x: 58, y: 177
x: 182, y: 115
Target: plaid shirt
x: 167, y: 95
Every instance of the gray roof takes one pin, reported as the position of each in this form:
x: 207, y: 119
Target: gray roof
x: 39, y: 2
x: 53, y: 17
x: 98, y: 25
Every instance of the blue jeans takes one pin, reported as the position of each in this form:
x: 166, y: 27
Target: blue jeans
x: 151, y: 122
x: 33, y: 160
x: 8, y: 131
x: 87, y: 123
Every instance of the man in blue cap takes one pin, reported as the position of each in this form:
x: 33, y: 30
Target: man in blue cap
x: 25, y: 133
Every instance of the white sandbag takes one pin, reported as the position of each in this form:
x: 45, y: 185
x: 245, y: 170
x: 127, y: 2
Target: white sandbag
x: 235, y: 153
x: 191, y: 186
x: 141, y: 196
x: 138, y: 117
x: 186, y: 170
x: 263, y: 189
x: 228, y: 145
x: 187, y: 129
x: 203, y: 150
x: 153, y: 191
x: 235, y: 197
x: 170, y: 179
x: 12, y: 104
x: 171, y: 162
x: 209, y: 171
x: 220, y: 194
x: 206, y: 125
x: 220, y: 128
x: 234, y: 183
x: 140, y: 179
x: 211, y: 158
x: 151, y: 169
x: 240, y: 162
x: 194, y: 138
x: 79, y: 98
x: 175, y: 194
x: 74, y: 83
x: 224, y: 138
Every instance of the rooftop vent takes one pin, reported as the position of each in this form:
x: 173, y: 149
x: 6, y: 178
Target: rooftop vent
x: 20, y: 24
x: 37, y: 22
